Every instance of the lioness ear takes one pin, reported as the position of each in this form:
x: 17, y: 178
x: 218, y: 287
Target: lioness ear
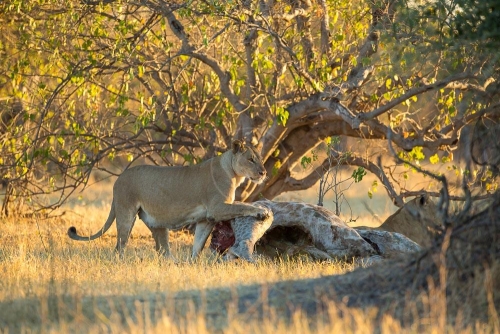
x: 238, y: 146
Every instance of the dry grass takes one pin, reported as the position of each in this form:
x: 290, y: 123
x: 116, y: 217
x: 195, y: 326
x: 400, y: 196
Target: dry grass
x: 39, y: 266
x: 41, y: 260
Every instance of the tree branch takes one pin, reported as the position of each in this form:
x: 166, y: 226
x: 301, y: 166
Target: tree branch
x: 296, y: 111
x: 304, y: 26
x: 414, y: 92
x: 188, y: 50
x: 292, y: 14
x: 292, y: 184
x: 325, y: 28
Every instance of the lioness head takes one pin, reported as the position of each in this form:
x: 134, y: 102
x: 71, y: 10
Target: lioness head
x: 247, y: 162
x: 417, y: 219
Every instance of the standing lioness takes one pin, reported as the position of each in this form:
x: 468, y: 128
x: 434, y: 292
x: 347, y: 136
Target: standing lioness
x: 172, y: 197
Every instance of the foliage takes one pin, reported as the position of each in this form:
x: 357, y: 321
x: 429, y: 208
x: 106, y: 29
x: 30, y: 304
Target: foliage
x: 478, y: 20
x: 98, y: 85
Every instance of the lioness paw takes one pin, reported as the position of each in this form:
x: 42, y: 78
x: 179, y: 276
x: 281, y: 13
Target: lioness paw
x: 263, y: 215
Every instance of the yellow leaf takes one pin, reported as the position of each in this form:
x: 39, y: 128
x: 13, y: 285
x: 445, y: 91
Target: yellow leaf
x: 388, y: 83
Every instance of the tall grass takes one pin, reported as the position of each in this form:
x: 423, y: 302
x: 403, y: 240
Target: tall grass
x: 40, y: 266
x: 37, y: 258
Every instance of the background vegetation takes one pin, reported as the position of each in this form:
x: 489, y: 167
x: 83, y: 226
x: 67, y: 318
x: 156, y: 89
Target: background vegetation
x: 96, y: 85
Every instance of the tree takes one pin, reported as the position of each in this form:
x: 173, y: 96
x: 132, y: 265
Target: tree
x: 87, y: 84
x: 478, y: 20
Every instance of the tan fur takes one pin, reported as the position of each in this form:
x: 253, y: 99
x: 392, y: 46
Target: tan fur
x: 172, y: 197
x: 417, y: 220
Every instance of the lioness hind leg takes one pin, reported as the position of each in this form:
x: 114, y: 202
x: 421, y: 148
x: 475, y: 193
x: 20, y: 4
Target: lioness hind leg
x: 160, y: 235
x: 124, y: 224
x: 162, y: 246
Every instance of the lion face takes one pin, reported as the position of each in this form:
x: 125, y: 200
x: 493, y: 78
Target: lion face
x: 247, y: 162
x: 418, y: 220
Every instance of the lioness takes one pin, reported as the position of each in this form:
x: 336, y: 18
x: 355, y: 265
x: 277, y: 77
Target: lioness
x: 172, y: 197
x: 417, y: 220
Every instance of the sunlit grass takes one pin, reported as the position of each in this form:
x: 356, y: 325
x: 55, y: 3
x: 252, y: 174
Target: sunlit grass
x: 38, y: 263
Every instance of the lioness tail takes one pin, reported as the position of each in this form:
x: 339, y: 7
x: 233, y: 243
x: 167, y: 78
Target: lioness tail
x: 111, y: 218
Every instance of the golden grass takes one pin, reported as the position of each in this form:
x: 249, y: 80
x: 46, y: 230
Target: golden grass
x: 352, y: 321
x: 40, y: 259
x: 38, y: 263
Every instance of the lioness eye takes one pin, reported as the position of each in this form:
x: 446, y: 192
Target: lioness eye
x: 251, y: 160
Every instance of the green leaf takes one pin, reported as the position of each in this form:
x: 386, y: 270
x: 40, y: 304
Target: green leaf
x: 64, y: 154
x: 276, y: 168
x: 282, y: 115
x: 305, y: 161
x: 358, y: 174
x: 417, y: 154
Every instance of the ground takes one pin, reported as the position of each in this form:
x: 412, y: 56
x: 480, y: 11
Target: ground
x: 49, y: 282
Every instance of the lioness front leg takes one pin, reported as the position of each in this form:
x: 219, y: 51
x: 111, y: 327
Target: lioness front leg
x: 225, y: 211
x: 201, y: 233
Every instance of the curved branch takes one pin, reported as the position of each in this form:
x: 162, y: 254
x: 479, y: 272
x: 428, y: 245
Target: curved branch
x: 189, y: 50
x: 291, y: 149
x: 292, y: 184
x: 414, y: 92
x: 323, y: 124
x: 342, y: 122
x: 314, y: 103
